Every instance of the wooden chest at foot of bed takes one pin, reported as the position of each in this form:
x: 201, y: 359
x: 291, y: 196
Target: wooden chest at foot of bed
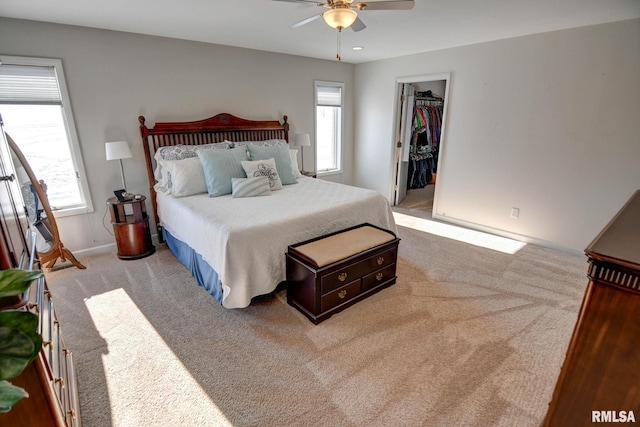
x: 328, y: 274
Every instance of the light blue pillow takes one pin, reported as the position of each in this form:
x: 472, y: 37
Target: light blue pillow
x: 280, y: 153
x: 250, y: 187
x: 220, y: 166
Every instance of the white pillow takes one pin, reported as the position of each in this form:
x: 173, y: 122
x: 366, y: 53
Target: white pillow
x: 162, y: 176
x: 180, y: 152
x: 263, y: 168
x: 185, y: 177
x: 294, y: 163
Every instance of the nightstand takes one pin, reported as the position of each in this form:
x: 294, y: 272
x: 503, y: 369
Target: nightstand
x: 309, y: 174
x: 131, y: 226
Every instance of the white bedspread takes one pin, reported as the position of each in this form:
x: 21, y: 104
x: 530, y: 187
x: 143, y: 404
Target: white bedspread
x: 245, y: 240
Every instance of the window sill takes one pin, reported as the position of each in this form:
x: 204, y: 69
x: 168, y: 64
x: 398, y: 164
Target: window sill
x: 328, y: 173
x: 61, y: 213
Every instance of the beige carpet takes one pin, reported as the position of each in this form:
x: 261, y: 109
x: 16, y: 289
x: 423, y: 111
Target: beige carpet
x: 467, y: 337
x: 419, y: 198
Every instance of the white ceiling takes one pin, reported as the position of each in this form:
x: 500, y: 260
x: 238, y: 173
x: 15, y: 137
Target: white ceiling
x: 266, y: 24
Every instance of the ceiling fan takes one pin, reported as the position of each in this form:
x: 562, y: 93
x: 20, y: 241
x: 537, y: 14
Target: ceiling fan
x: 344, y: 14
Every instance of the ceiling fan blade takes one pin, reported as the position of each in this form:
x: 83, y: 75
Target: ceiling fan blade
x: 358, y: 25
x: 302, y: 1
x: 385, y: 5
x: 305, y: 21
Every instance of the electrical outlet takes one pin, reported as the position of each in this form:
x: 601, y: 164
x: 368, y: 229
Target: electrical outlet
x: 515, y: 212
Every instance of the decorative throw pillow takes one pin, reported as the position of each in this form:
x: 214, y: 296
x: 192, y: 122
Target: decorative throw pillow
x: 180, y: 152
x: 186, y: 177
x: 250, y: 187
x: 224, y: 145
x: 266, y: 168
x: 265, y: 143
x: 294, y: 163
x: 280, y: 153
x: 220, y: 166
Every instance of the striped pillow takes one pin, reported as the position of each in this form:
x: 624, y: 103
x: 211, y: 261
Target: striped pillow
x: 250, y: 187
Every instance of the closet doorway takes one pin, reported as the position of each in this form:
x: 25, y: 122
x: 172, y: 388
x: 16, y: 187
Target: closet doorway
x: 421, y: 118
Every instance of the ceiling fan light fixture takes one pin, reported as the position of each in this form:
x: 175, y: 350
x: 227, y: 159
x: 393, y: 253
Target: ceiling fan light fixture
x: 340, y: 17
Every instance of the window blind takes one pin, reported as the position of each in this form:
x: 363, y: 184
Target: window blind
x: 29, y: 84
x: 329, y: 96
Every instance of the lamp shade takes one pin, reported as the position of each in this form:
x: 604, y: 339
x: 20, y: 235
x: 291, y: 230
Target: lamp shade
x: 302, y: 140
x: 340, y: 17
x: 117, y: 150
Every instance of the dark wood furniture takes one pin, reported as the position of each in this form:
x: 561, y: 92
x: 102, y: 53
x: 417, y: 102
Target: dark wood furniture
x: 219, y: 128
x: 131, y: 226
x: 48, y: 223
x: 601, y: 371
x: 366, y: 263
x: 50, y: 379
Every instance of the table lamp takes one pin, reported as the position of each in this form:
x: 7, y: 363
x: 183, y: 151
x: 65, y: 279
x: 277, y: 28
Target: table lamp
x: 118, y: 150
x: 302, y: 140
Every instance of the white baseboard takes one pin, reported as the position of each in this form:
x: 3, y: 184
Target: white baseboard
x: 105, y: 249
x: 96, y: 250
x: 508, y: 234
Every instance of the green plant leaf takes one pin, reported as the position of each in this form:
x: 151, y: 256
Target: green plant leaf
x: 19, y: 342
x: 9, y: 395
x: 15, y: 281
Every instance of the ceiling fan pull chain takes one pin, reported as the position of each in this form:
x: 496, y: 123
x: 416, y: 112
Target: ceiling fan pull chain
x: 338, y: 47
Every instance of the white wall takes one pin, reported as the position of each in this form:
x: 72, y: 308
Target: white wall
x: 114, y: 77
x: 548, y: 123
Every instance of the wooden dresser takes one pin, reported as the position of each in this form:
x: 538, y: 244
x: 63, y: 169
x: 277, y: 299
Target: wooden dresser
x: 600, y: 378
x: 50, y: 379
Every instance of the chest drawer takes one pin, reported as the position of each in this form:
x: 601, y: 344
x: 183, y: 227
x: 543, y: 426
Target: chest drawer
x: 372, y: 280
x: 340, y: 295
x: 346, y: 274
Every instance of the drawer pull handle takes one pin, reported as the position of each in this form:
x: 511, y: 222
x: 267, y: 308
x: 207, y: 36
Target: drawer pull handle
x: 342, y: 277
x: 46, y: 343
x: 379, y: 276
x: 342, y: 294
x: 60, y: 381
x: 380, y: 260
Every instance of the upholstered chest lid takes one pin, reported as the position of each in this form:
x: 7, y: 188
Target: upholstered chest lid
x: 343, y: 245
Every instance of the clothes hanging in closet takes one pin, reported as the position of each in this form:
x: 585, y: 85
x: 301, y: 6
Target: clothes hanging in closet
x: 421, y: 167
x: 427, y: 123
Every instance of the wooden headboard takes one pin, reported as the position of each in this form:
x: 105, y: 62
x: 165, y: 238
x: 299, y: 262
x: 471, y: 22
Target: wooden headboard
x: 222, y: 127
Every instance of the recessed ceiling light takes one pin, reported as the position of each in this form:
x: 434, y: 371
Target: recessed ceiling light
x: 357, y: 48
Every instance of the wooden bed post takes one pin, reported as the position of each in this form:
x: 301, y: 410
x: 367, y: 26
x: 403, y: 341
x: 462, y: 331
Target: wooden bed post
x: 144, y: 132
x: 285, y: 125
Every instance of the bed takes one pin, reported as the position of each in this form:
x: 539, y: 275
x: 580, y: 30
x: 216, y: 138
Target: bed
x: 233, y: 245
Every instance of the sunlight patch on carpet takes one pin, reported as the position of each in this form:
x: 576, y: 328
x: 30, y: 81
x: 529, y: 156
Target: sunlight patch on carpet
x: 144, y: 376
x: 473, y: 237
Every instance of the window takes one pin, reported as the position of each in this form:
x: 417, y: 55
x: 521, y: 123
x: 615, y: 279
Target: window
x: 328, y: 126
x: 36, y: 112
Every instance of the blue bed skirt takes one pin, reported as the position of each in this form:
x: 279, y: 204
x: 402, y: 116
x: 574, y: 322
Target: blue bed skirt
x: 204, y: 274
